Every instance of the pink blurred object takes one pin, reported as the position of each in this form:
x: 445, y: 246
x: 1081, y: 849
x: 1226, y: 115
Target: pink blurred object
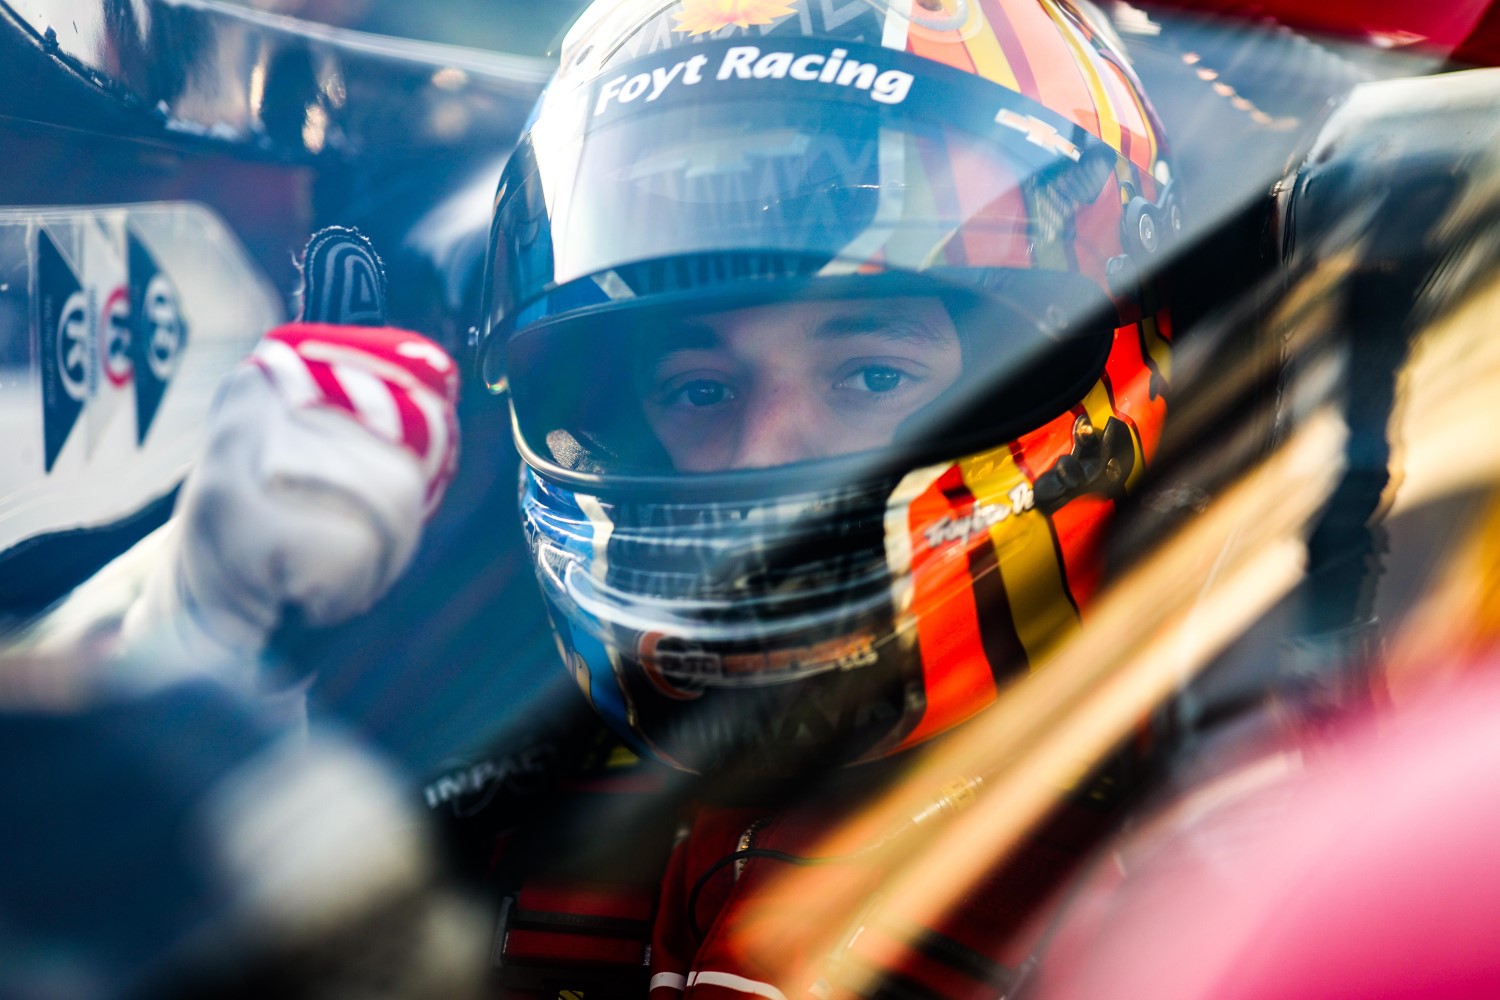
x: 1466, y: 30
x: 1362, y: 868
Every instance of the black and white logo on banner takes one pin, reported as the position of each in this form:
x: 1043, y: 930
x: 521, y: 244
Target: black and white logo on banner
x: 63, y: 319
x: 159, y: 333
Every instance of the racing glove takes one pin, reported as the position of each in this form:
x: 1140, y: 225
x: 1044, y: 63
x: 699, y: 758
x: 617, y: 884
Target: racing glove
x: 327, y: 449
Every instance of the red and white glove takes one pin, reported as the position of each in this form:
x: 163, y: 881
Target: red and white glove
x: 326, y: 451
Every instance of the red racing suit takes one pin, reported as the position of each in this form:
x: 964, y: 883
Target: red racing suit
x: 709, y: 917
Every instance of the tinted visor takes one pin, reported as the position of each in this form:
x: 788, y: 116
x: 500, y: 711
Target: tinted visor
x: 701, y: 255
x: 893, y: 371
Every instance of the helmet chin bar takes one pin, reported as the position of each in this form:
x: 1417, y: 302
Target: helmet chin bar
x: 777, y: 730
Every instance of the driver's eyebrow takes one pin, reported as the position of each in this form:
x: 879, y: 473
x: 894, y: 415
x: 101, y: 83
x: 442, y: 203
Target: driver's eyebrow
x: 894, y: 324
x: 658, y: 346
x: 680, y: 337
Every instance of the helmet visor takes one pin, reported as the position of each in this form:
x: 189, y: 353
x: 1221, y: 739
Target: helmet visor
x: 703, y: 256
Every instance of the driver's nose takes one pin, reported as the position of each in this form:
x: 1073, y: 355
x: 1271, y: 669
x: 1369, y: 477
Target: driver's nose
x: 780, y: 424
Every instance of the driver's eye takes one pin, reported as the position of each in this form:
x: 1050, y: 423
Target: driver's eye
x: 881, y: 379
x: 702, y: 392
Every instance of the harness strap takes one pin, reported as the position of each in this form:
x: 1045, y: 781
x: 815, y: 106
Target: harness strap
x: 574, y: 940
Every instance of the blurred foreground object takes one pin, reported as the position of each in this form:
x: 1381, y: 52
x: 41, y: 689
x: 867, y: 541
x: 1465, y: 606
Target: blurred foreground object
x: 171, y: 846
x: 1339, y: 846
x: 1364, y: 868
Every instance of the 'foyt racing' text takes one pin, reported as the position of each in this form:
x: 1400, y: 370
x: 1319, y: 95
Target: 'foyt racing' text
x: 748, y: 62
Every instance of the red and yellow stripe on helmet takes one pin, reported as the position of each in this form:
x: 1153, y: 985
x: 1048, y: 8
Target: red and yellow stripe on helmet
x: 991, y: 585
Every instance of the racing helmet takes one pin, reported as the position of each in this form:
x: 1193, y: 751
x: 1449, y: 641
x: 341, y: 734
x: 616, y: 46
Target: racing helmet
x: 954, y: 206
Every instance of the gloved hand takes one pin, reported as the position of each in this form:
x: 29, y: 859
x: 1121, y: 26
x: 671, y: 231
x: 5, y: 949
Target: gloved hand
x: 326, y: 450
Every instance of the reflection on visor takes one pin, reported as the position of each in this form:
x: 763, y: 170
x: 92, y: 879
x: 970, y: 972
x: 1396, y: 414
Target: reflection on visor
x: 808, y: 180
x: 725, y: 620
x: 862, y: 185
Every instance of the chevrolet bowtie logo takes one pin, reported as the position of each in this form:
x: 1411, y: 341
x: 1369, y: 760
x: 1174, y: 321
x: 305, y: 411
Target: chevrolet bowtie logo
x: 1039, y: 133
